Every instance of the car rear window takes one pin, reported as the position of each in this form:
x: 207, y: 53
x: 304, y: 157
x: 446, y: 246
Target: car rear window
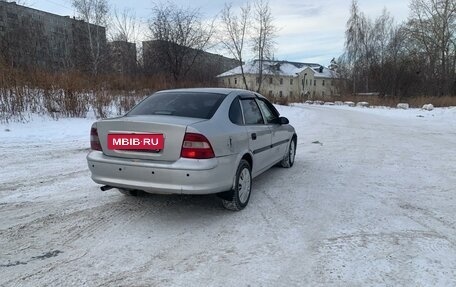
x: 181, y: 104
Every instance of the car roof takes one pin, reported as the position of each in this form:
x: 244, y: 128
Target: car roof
x: 224, y: 91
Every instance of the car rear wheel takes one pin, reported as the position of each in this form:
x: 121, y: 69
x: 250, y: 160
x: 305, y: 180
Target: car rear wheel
x: 288, y: 161
x: 239, y: 196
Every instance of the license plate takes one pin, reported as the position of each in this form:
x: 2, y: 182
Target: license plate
x: 136, y: 141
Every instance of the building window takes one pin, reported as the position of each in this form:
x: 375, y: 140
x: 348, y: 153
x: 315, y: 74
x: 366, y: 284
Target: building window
x: 315, y: 82
x: 323, y: 82
x: 306, y: 82
x: 291, y: 81
x: 322, y: 93
x: 235, y: 81
x: 280, y: 94
x: 257, y: 80
x: 270, y: 93
x: 281, y: 81
x: 229, y: 81
x: 270, y: 81
x: 332, y: 82
x: 302, y: 82
x: 291, y: 93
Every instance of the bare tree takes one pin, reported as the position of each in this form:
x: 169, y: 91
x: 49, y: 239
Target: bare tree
x: 382, y: 33
x: 333, y: 66
x: 234, y: 33
x: 353, y: 38
x: 264, y: 34
x: 432, y: 25
x: 181, y: 36
x: 249, y: 28
x: 94, y: 12
x: 123, y: 26
x: 415, y: 58
x: 395, y: 57
x: 367, y: 49
x: 361, y: 47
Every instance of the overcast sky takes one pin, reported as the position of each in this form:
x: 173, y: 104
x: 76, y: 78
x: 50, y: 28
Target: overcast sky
x: 309, y: 31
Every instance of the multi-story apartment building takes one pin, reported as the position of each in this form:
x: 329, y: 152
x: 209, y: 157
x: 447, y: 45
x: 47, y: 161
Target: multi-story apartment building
x: 122, y: 57
x: 201, y: 67
x: 34, y: 38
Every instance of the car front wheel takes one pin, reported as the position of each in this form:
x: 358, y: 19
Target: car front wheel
x: 288, y: 161
x: 239, y: 196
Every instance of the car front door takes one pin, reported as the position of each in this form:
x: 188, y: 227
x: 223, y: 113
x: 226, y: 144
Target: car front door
x: 259, y: 134
x: 280, y: 136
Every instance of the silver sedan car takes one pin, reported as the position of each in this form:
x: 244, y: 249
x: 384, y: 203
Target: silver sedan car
x: 192, y: 141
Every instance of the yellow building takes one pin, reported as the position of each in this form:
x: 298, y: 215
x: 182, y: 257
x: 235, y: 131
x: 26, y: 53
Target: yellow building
x: 284, y: 79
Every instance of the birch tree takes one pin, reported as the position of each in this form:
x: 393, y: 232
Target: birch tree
x: 264, y: 34
x: 234, y: 34
x: 94, y: 12
x: 123, y: 26
x: 249, y: 28
x: 353, y: 38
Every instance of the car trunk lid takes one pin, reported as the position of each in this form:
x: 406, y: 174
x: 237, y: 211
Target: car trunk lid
x: 172, y: 128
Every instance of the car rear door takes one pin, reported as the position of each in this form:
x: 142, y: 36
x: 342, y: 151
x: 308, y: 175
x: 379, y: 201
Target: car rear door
x: 259, y: 133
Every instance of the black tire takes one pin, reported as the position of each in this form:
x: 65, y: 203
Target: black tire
x: 238, y: 198
x: 128, y: 192
x: 289, y: 160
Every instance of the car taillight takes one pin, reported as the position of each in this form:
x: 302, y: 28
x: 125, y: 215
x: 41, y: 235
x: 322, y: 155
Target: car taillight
x: 196, y: 146
x: 94, y: 140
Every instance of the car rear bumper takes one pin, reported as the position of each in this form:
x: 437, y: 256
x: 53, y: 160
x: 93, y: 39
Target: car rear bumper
x: 184, y: 176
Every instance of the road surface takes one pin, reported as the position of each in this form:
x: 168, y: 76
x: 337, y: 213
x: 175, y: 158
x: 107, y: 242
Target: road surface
x: 371, y: 200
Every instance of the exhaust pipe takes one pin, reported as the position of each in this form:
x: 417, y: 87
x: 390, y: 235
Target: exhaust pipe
x: 106, y: 187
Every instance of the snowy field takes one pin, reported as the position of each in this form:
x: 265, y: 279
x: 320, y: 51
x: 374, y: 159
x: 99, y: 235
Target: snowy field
x: 370, y: 201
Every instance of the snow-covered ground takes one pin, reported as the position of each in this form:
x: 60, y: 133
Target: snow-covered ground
x: 370, y: 201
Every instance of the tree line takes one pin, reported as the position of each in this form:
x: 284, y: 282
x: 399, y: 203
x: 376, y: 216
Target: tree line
x: 409, y: 59
x: 413, y: 58
x: 182, y: 33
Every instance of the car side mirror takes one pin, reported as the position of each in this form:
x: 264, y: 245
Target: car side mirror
x: 283, y: 121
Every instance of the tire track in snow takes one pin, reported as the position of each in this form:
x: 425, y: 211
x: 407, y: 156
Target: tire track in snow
x: 69, y: 228
x: 12, y: 186
x: 100, y: 223
x: 430, y: 221
x: 386, y: 256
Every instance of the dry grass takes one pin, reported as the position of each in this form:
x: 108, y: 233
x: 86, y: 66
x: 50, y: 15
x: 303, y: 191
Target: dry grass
x: 446, y: 101
x: 284, y: 101
x: 73, y: 94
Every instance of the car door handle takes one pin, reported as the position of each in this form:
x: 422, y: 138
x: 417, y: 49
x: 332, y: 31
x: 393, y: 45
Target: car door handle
x: 254, y: 136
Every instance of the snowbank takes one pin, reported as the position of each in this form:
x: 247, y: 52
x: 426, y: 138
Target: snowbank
x: 403, y: 106
x: 43, y: 129
x: 362, y: 104
x: 428, y: 107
